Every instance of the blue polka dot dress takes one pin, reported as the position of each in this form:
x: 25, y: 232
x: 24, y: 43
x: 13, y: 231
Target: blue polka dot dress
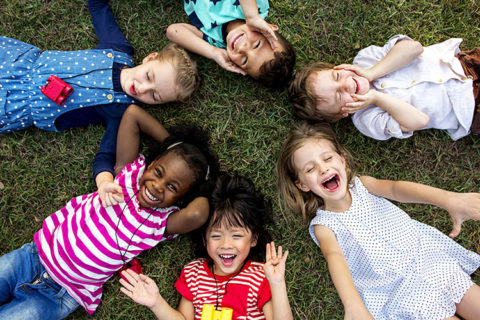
x: 24, y: 69
x: 402, y: 269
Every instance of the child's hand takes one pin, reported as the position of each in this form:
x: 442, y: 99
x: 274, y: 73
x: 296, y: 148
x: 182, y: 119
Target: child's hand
x: 266, y: 29
x: 110, y: 193
x: 361, y: 102
x: 140, y: 288
x: 274, y: 266
x: 357, y: 69
x: 463, y: 207
x: 221, y: 57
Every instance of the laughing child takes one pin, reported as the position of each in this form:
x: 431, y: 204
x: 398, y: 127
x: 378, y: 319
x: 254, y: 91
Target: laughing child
x: 237, y: 37
x: 228, y: 275
x: 104, y: 81
x: 82, y: 245
x: 396, y: 89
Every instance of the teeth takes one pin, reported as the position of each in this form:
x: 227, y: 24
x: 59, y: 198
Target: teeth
x: 149, y: 195
x: 227, y: 256
x: 329, y: 179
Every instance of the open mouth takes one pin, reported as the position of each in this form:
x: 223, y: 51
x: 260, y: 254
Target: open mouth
x: 332, y: 183
x: 149, y: 195
x: 132, y: 89
x: 227, y: 259
x: 234, y: 42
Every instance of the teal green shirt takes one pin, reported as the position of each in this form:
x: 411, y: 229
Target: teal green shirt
x: 209, y: 16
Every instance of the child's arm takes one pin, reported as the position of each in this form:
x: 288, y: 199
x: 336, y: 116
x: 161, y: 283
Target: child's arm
x: 144, y: 291
x: 409, y: 117
x: 190, y: 218
x: 461, y: 206
x: 255, y: 22
x: 401, y: 54
x: 274, y: 268
x: 340, y: 273
x: 106, y: 28
x: 190, y: 38
x: 134, y: 121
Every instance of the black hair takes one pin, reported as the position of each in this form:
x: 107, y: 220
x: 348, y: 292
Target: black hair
x: 236, y: 202
x: 277, y: 72
x: 191, y: 143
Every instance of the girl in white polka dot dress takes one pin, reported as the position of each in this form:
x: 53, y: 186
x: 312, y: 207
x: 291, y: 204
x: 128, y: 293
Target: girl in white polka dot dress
x: 383, y: 264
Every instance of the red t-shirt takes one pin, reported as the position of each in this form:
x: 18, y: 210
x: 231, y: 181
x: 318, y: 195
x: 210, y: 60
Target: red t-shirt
x: 245, y: 293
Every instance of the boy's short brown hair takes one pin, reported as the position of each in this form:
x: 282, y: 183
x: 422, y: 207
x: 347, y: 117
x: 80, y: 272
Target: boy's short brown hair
x: 187, y: 74
x: 302, y: 96
x: 277, y: 72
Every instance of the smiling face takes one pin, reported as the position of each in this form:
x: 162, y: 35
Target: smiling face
x: 228, y: 247
x: 322, y: 171
x: 152, y: 82
x: 249, y: 49
x: 334, y: 88
x: 166, y: 180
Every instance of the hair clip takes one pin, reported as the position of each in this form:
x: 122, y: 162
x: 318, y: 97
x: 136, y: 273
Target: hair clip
x: 174, y: 145
x: 208, y: 173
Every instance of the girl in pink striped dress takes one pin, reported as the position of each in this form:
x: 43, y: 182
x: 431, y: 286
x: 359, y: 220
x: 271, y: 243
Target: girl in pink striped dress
x: 227, y: 279
x: 83, y: 244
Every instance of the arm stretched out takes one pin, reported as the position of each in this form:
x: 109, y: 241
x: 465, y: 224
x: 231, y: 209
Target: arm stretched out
x: 461, y: 206
x: 340, y: 273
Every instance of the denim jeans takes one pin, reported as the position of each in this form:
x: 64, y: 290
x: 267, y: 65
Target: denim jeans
x: 27, y: 291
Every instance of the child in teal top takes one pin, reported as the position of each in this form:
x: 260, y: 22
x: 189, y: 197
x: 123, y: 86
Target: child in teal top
x: 235, y: 35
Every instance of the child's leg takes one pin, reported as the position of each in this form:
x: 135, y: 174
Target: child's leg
x: 16, y: 268
x: 27, y: 291
x: 469, y: 306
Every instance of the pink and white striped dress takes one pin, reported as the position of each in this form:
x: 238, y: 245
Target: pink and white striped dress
x: 78, y: 246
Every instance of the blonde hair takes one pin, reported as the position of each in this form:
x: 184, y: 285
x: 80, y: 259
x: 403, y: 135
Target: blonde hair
x: 290, y: 196
x: 302, y: 97
x: 187, y: 74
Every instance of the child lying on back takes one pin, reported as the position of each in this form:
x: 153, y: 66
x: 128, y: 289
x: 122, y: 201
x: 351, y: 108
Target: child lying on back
x: 396, y: 89
x: 104, y: 81
x: 236, y: 36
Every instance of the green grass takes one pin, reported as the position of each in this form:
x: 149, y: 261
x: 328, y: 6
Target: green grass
x: 40, y: 171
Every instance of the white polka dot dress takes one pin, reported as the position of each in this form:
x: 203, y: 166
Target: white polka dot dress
x: 402, y: 269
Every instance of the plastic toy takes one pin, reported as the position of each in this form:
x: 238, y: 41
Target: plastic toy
x: 57, y: 90
x: 209, y: 313
x: 133, y: 265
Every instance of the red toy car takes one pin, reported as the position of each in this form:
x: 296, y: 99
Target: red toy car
x: 57, y: 90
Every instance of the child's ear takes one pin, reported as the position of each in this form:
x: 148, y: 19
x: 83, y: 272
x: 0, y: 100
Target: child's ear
x: 254, y: 241
x: 274, y: 27
x: 150, y: 57
x: 301, y: 186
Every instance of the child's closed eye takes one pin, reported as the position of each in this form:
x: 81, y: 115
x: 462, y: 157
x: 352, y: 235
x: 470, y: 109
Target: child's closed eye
x: 257, y: 45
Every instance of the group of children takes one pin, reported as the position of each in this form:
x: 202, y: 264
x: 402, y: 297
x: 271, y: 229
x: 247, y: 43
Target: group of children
x: 383, y: 264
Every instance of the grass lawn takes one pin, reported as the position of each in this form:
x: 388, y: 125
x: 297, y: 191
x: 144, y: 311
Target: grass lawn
x: 40, y: 171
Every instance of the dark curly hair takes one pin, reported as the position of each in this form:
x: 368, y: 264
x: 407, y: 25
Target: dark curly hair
x: 191, y: 143
x: 236, y: 202
x: 277, y: 72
